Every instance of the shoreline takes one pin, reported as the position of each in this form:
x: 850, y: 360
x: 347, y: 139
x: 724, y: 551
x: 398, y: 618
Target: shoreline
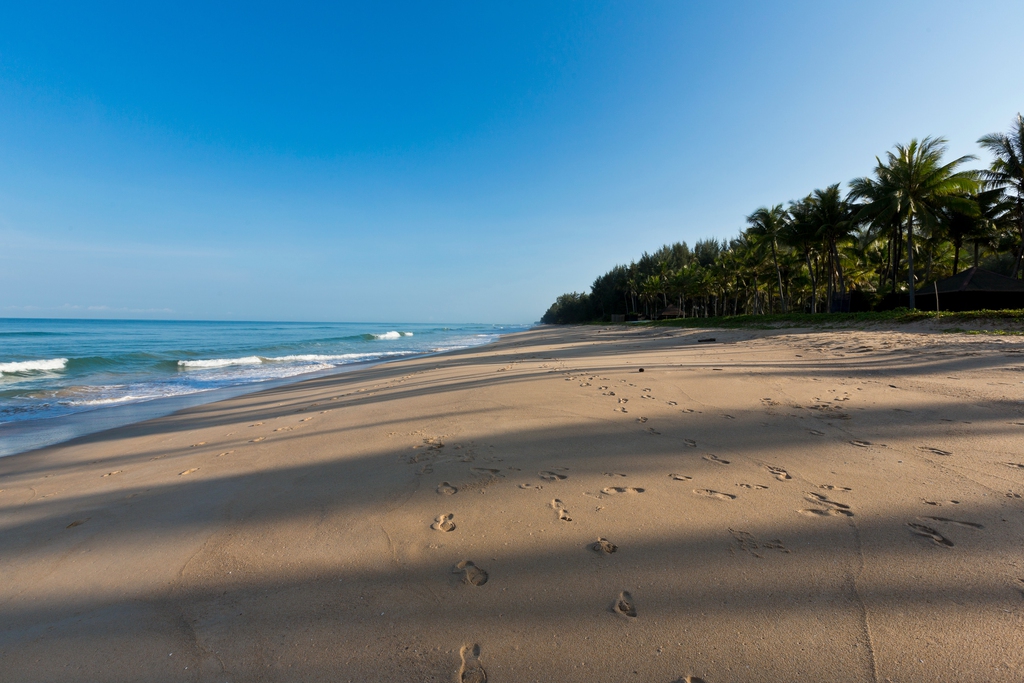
x: 782, y: 504
x: 30, y: 435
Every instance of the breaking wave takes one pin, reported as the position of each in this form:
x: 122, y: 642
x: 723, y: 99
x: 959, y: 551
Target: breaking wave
x: 220, y: 362
x: 33, y: 366
x: 391, y: 335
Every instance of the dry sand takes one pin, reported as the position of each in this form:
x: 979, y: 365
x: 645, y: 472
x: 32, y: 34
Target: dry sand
x: 795, y: 505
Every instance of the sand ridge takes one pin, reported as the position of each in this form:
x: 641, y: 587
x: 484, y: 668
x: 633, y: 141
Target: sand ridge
x: 777, y: 505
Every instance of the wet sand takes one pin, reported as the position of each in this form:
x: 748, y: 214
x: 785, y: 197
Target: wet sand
x: 776, y: 505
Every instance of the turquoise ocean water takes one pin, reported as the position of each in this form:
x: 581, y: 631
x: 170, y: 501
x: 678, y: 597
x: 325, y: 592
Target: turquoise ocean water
x: 64, y: 378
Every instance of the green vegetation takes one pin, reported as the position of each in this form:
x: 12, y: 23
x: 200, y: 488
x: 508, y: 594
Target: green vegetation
x: 897, y: 315
x: 829, y: 252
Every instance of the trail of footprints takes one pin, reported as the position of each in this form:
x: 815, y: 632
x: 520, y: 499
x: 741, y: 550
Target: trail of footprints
x: 472, y: 670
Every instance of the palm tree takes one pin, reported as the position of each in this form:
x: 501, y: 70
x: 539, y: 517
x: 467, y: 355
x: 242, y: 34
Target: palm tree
x: 832, y: 219
x: 989, y: 211
x: 1007, y: 172
x: 801, y: 233
x: 913, y: 186
x: 872, y: 205
x: 768, y: 224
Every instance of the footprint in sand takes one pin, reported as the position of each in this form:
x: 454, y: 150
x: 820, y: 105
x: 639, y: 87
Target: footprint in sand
x: 757, y: 487
x: 110, y: 474
x: 947, y: 520
x: 710, y: 493
x: 861, y: 444
x: 680, y: 477
x: 748, y: 543
x: 471, y: 671
x: 486, y: 472
x: 78, y: 522
x: 825, y: 512
x: 641, y: 420
x: 472, y: 574
x: 624, y: 605
x: 652, y: 430
x: 710, y: 457
x: 189, y: 471
x: 930, y: 533
x: 672, y: 403
x: 620, y: 489
x: 614, y: 474
x: 547, y: 475
x: 444, y: 522
x: 255, y: 424
x: 531, y: 487
x: 939, y: 504
x: 219, y: 455
x: 1015, y: 465
x: 605, y: 546
x: 778, y: 472
x: 197, y: 445
x: 621, y: 410
x: 559, y: 507
x: 815, y: 432
x: 446, y: 489
x: 831, y: 508
x: 690, y: 442
x: 936, y: 451
x: 830, y: 487
x: 692, y: 679
x: 257, y: 439
x: 623, y: 400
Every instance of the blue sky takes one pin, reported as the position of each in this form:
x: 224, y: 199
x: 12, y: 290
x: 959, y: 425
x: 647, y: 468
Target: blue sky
x: 439, y: 161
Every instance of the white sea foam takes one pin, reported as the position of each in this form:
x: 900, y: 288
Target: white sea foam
x: 392, y: 335
x: 33, y: 366
x: 342, y: 357
x: 128, y: 398
x: 220, y: 362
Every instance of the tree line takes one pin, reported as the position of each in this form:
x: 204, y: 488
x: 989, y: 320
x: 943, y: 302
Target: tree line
x: 916, y: 218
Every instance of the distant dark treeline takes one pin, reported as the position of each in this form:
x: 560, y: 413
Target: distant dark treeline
x: 915, y: 219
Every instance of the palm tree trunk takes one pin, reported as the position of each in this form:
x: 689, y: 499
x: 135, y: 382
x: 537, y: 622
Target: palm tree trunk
x: 814, y: 284
x: 775, y: 257
x: 888, y: 264
x: 956, y: 255
x: 1020, y: 250
x: 898, y: 241
x: 831, y: 279
x: 910, y: 259
x: 839, y: 272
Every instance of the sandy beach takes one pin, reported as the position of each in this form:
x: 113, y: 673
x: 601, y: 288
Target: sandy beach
x: 787, y: 505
